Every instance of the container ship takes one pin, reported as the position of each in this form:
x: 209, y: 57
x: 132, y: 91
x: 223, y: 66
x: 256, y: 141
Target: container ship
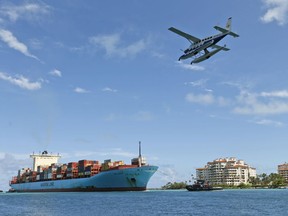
x: 47, y: 175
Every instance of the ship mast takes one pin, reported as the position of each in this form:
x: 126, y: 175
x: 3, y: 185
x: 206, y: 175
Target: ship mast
x: 140, y: 156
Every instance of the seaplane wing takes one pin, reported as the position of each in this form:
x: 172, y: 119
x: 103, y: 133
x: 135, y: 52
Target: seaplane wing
x: 218, y: 47
x: 185, y: 35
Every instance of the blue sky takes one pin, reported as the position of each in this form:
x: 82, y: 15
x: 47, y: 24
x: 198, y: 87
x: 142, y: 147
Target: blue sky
x: 89, y: 80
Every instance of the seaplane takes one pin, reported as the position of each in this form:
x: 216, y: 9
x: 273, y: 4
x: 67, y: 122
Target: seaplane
x: 198, y: 50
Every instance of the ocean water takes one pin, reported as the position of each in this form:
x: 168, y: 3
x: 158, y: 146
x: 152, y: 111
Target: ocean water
x: 227, y: 202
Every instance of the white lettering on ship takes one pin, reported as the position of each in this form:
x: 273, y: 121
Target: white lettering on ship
x: 47, y: 184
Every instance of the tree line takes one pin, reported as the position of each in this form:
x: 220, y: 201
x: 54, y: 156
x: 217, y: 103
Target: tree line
x: 272, y: 180
x: 263, y: 180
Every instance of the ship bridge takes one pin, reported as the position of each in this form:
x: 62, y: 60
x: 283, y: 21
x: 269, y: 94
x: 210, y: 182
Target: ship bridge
x: 44, y: 159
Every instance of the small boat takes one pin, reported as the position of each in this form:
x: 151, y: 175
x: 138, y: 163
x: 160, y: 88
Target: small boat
x: 11, y: 190
x: 201, y: 185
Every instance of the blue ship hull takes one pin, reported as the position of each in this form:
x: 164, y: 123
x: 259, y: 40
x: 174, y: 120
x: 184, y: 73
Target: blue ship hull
x: 130, y: 179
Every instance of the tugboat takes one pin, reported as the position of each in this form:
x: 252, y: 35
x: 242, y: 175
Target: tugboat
x: 201, y: 185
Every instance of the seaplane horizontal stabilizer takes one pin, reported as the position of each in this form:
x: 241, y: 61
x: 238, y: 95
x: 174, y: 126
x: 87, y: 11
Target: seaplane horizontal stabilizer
x: 224, y: 31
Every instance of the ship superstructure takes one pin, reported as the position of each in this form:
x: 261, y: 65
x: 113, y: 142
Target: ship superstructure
x: 44, y: 159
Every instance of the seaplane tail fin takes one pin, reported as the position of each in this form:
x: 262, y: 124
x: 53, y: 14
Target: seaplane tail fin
x: 227, y: 29
x: 228, y: 24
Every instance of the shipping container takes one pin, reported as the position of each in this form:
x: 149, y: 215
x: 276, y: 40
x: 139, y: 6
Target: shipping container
x: 49, y: 176
x: 80, y: 169
x: 41, y: 176
x: 81, y: 174
x: 72, y: 164
x: 87, y: 173
x: 87, y: 162
x: 69, y: 169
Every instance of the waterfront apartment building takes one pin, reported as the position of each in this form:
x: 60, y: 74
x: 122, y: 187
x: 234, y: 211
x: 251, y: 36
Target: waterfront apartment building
x: 229, y: 171
x: 283, y: 170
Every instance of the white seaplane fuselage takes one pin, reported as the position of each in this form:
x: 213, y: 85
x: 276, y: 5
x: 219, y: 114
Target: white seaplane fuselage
x: 197, y: 47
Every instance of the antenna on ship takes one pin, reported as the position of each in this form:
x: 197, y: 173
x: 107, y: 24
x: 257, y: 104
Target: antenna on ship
x: 140, y: 156
x: 140, y: 149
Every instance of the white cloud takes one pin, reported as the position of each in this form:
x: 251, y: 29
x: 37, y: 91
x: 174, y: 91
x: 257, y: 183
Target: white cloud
x: 277, y: 11
x: 35, y: 44
x: 251, y: 103
x: 222, y: 101
x: 106, y: 152
x: 118, y: 152
x: 241, y: 85
x: 112, y: 45
x: 200, y: 98
x: 80, y: 90
x: 21, y: 81
x: 28, y: 11
x: 198, y: 83
x: 56, y: 72
x: 7, y: 37
x: 190, y: 66
x: 143, y: 116
x: 157, y: 54
x: 207, y: 99
x: 9, y: 166
x: 107, y: 89
x: 165, y: 174
x: 246, y: 103
x: 259, y: 108
x: 280, y: 94
x: 268, y: 122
